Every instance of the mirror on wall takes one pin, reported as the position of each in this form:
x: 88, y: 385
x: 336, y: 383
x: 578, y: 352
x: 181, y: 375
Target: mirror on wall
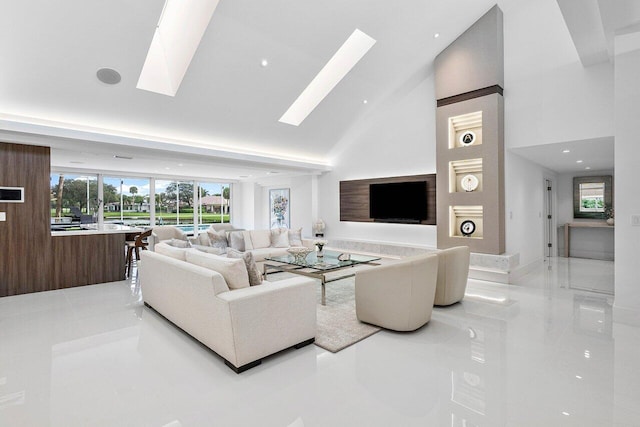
x: 591, y: 196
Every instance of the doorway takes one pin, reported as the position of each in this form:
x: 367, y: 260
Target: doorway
x: 549, y: 218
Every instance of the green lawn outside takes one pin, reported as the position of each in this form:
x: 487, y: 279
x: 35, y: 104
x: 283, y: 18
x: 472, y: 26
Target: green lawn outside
x: 186, y: 217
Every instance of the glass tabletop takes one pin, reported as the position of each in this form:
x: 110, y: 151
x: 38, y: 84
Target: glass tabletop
x: 329, y: 261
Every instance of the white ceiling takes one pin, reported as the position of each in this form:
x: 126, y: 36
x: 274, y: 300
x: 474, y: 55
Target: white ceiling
x: 223, y: 122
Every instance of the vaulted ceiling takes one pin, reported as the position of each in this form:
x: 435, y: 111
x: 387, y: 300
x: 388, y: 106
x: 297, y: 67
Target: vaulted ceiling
x: 227, y: 108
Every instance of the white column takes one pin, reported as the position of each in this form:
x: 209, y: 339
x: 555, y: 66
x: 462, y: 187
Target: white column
x: 152, y: 202
x: 100, y: 200
x: 196, y: 206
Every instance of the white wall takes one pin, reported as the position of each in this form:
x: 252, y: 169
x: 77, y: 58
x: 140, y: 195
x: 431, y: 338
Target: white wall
x: 301, y: 195
x: 549, y: 96
x: 525, y: 194
x: 627, y: 155
x: 395, y: 138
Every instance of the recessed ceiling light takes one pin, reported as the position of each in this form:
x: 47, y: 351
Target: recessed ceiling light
x: 174, y: 43
x: 272, y: 172
x: 346, y: 57
x: 245, y: 176
x: 122, y: 157
x: 436, y: 35
x: 578, y: 161
x: 180, y: 164
x: 579, y: 377
x: 108, y: 76
x: 264, y: 63
x: 588, y: 167
x: 364, y: 101
x: 167, y: 169
x: 565, y: 413
x: 566, y: 151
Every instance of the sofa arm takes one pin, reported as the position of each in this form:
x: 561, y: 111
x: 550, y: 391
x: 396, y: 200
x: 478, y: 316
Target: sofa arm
x: 271, y: 317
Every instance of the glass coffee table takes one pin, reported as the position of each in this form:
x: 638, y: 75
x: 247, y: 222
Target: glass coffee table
x: 317, y: 267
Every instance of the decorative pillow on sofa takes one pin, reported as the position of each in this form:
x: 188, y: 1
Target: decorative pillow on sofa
x: 255, y: 278
x: 164, y: 249
x: 233, y: 270
x: 236, y: 240
x: 203, y: 239
x: 218, y: 239
x: 280, y: 238
x: 177, y: 243
x: 295, y: 237
x: 208, y: 249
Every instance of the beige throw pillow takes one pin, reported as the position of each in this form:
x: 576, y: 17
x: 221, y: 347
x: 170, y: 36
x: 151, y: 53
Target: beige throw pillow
x: 218, y: 239
x: 233, y: 270
x: 177, y: 243
x: 255, y: 278
x: 260, y: 239
x: 208, y: 249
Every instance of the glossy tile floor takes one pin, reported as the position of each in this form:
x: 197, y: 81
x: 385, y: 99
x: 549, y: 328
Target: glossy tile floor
x: 543, y: 352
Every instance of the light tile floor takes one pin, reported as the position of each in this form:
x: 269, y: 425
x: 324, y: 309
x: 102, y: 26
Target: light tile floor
x: 543, y: 352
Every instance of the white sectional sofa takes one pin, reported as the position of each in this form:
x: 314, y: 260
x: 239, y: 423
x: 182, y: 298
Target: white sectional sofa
x: 261, y: 243
x: 242, y: 325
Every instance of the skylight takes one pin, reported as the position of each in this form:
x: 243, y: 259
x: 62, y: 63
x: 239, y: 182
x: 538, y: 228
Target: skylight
x: 180, y: 29
x: 352, y: 51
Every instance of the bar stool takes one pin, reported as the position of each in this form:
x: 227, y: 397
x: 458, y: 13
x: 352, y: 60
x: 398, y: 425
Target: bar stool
x: 135, y: 245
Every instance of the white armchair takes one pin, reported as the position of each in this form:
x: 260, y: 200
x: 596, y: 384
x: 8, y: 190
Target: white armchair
x: 453, y: 272
x: 398, y: 296
x: 165, y: 232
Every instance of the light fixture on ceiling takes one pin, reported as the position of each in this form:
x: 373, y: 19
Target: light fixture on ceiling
x: 566, y: 151
x: 176, y: 39
x: 108, y: 76
x: 578, y: 161
x: 245, y: 176
x: 345, y: 58
x: 116, y: 156
x: 264, y: 63
x: 436, y: 35
x: 364, y: 101
x: 272, y: 172
x: 588, y: 167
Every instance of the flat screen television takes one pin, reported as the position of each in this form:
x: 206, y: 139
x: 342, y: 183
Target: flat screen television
x: 398, y: 201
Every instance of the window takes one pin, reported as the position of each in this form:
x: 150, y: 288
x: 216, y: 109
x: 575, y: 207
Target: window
x: 174, y: 202
x: 74, y: 199
x: 126, y: 201
x: 214, y: 204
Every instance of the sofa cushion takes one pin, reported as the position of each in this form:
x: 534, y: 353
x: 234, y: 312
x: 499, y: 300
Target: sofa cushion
x: 255, y: 278
x: 233, y: 270
x: 260, y: 238
x: 280, y: 238
x: 164, y: 249
x: 178, y: 243
x: 236, y: 240
x: 209, y: 249
x: 295, y: 237
x: 259, y: 255
x: 218, y: 239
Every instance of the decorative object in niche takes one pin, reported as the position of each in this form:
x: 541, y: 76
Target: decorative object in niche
x: 469, y: 183
x: 467, y: 138
x: 591, y: 195
x: 467, y: 228
x: 318, y: 228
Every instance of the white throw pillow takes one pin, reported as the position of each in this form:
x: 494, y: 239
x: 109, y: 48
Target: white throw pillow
x: 236, y: 240
x: 280, y: 238
x: 163, y: 248
x: 208, y: 249
x: 248, y: 244
x: 255, y: 277
x: 295, y: 237
x: 261, y: 238
x: 233, y: 270
x: 203, y: 239
x: 178, y: 243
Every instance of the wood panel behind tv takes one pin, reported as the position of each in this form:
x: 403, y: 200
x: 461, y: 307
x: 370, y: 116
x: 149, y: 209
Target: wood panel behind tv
x: 354, y: 197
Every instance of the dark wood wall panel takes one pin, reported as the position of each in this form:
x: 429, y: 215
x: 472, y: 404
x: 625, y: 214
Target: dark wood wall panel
x: 87, y: 259
x: 25, y: 238
x: 354, y: 197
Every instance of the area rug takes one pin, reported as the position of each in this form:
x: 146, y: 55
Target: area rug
x: 338, y: 326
